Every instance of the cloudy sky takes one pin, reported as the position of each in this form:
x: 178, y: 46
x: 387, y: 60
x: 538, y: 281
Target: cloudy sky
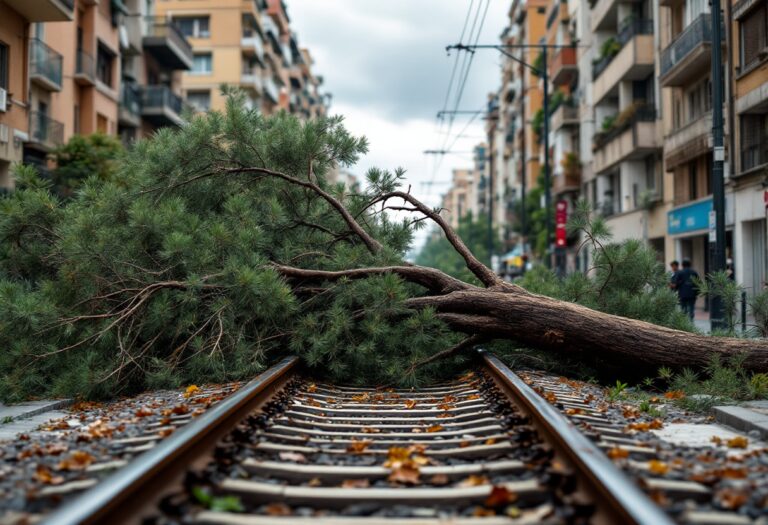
x: 384, y: 62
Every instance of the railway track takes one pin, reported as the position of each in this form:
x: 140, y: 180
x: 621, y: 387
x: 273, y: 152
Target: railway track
x: 483, y: 449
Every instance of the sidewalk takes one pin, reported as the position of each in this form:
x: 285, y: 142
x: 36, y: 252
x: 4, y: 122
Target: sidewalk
x: 701, y: 320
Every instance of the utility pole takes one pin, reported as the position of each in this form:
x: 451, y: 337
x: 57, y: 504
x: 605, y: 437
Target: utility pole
x: 718, y: 159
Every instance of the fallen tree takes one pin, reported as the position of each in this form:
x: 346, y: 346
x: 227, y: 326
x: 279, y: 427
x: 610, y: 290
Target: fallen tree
x: 221, y: 246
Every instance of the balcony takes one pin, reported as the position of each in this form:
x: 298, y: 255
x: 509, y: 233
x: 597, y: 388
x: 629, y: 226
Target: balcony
x: 251, y: 79
x: 85, y: 69
x: 688, y: 142
x: 634, y: 59
x: 270, y: 89
x: 563, y: 69
x: 166, y: 43
x: 564, y: 115
x: 605, y: 13
x: 130, y: 105
x: 44, y: 66
x: 45, y: 133
x: 688, y: 55
x: 44, y: 10
x: 632, y: 136
x: 253, y: 46
x: 568, y: 179
x: 161, y: 107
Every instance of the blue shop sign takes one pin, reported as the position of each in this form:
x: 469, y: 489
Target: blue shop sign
x: 689, y: 218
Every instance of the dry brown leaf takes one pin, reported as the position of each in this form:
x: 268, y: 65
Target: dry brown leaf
x: 361, y: 398
x: 574, y: 411
x: 78, y: 460
x: 472, y: 397
x: 439, y: 479
x: 674, y: 394
x: 443, y: 415
x: 314, y: 482
x: 44, y: 475
x: 278, y: 509
x: 737, y: 442
x: 481, y: 512
x: 551, y: 397
x: 409, y: 403
x: 180, y: 409
x: 143, y: 412
x: 617, y: 453
x: 165, y: 432
x: 449, y: 399
x: 474, y: 480
x: 359, y: 483
x: 358, y: 447
x: 500, y: 497
x: 731, y: 498
x: 312, y: 388
x: 490, y: 441
x: 658, y: 467
x: 445, y: 406
x: 464, y: 444
x: 435, y: 428
x: 396, y: 456
x: 370, y: 430
x: 405, y: 474
x: 191, y: 390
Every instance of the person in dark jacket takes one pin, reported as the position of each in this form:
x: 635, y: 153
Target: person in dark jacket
x: 674, y: 267
x: 686, y: 288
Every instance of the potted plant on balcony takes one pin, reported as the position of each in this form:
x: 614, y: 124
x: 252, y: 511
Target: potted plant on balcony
x: 537, y: 123
x: 571, y: 164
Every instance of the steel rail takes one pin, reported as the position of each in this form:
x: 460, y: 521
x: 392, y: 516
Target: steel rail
x: 612, y: 490
x: 137, y: 488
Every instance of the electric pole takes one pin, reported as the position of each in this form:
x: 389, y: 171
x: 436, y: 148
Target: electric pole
x: 718, y: 159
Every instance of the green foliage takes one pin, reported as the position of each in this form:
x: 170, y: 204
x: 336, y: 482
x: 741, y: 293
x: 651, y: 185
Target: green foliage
x: 538, y: 64
x: 537, y: 123
x: 758, y: 305
x: 616, y: 391
x: 85, y: 156
x: 160, y: 272
x: 438, y: 253
x: 626, y: 278
x: 609, y: 48
x: 536, y: 216
x: 608, y: 123
x: 719, y: 284
x: 217, y: 503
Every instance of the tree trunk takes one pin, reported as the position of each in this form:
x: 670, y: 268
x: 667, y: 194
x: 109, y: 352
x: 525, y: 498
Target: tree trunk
x: 543, y: 322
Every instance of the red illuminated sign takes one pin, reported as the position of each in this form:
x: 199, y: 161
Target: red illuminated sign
x: 561, y: 218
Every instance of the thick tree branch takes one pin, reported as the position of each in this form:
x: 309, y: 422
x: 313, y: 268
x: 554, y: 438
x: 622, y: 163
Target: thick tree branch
x: 481, y: 271
x: 467, y: 343
x: 430, y: 278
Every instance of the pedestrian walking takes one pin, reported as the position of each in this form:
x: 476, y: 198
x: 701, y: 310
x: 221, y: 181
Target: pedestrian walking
x: 686, y: 288
x: 674, y: 267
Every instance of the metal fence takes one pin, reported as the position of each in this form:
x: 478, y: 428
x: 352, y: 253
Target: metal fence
x: 698, y: 32
x: 45, y: 62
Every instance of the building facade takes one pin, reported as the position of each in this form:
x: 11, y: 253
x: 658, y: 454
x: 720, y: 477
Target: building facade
x: 630, y: 124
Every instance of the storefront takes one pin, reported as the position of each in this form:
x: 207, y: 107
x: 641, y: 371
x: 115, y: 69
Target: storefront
x: 751, y: 248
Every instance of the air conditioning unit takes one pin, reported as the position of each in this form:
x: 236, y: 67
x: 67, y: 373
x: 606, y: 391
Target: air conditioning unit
x: 3, y: 134
x: 3, y: 99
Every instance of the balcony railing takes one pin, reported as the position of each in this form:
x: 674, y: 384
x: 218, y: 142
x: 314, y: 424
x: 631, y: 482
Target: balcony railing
x: 697, y: 33
x: 161, y: 105
x: 45, y: 131
x: 45, y: 65
x: 629, y: 30
x: 85, y: 67
x: 270, y: 89
x: 645, y: 113
x: 130, y: 99
x: 169, y: 42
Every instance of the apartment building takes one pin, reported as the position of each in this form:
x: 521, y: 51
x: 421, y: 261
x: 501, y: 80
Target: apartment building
x: 27, y: 70
x: 246, y: 44
x: 462, y: 198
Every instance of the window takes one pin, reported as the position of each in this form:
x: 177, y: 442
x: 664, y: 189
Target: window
x: 200, y: 100
x: 4, y: 67
x: 754, y: 36
x: 194, y: 27
x: 203, y: 64
x: 754, y: 141
x: 104, y: 60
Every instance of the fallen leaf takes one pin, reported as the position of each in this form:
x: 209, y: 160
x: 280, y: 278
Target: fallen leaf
x: 658, y: 467
x: 716, y: 440
x: 730, y: 498
x: 617, y: 453
x: 654, y: 400
x: 481, y: 512
x: 370, y: 430
x: 445, y: 406
x: 298, y: 457
x: 78, y: 460
x: 449, y: 399
x: 474, y: 480
x: 361, y: 398
x: 656, y: 424
x: 551, y: 397
x: 180, y: 409
x: 574, y: 411
x: 435, y: 428
x: 409, y: 403
x: 165, y: 432
x: 490, y: 441
x: 143, y: 412
x: 464, y: 444
x: 444, y: 415
x: 396, y: 456
x: 405, y: 474
x: 278, y: 509
x: 191, y: 390
x: 472, y: 397
x: 358, y: 447
x: 439, y: 479
x: 312, y: 388
x: 630, y: 412
x: 737, y: 442
x: 674, y: 394
x: 467, y: 377
x: 360, y: 483
x: 500, y: 497
x: 44, y: 475
x: 314, y: 482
